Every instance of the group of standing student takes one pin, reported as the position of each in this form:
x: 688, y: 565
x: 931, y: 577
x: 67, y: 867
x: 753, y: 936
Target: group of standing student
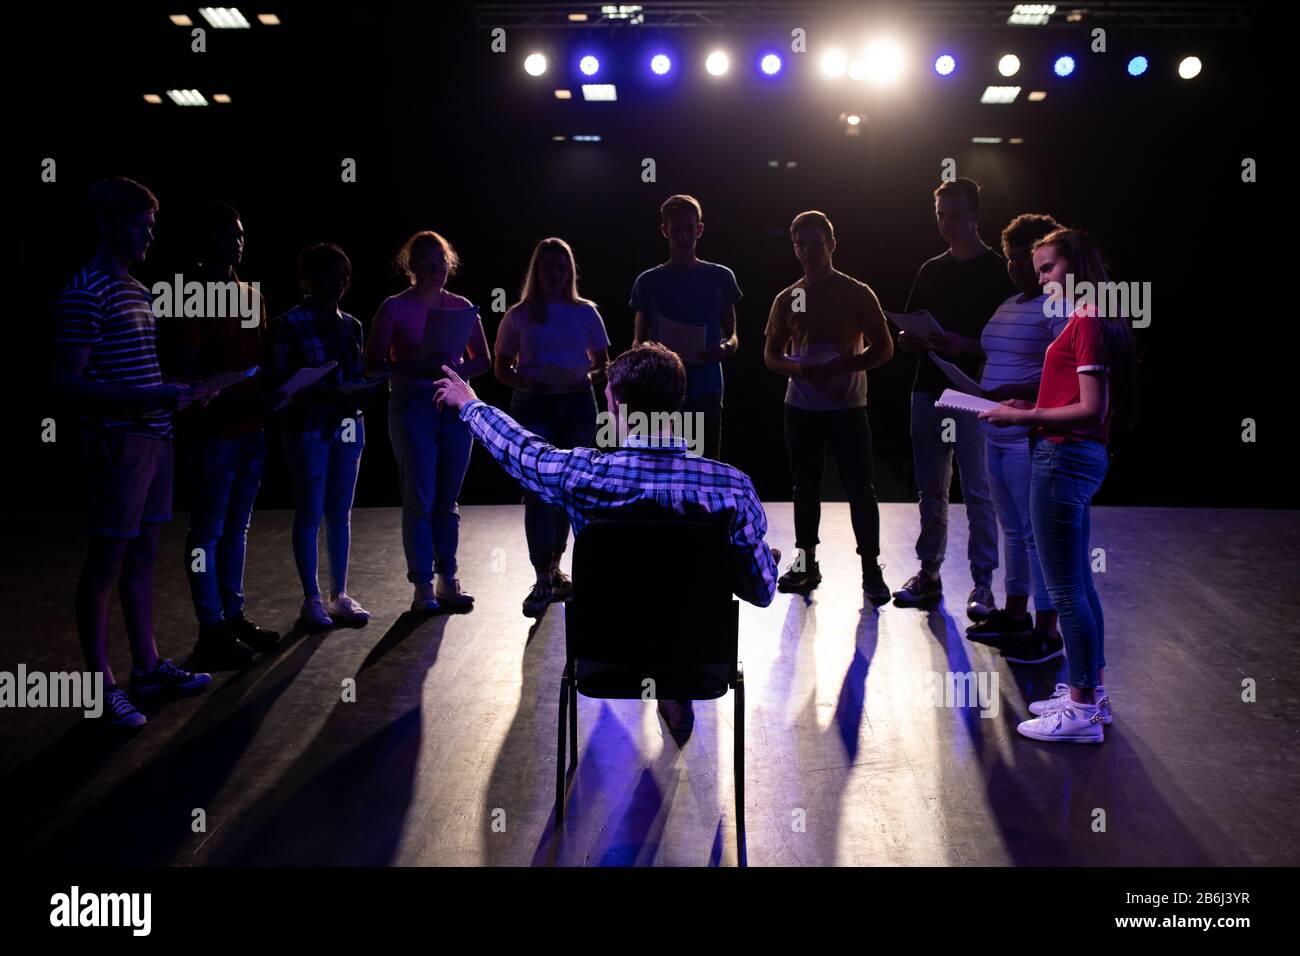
x: 1032, y: 464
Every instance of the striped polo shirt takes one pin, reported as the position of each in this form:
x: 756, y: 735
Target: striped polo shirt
x: 113, y: 315
x: 1015, y: 341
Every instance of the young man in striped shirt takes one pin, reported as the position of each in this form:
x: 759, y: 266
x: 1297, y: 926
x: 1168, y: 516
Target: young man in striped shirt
x: 589, y: 483
x: 107, y: 366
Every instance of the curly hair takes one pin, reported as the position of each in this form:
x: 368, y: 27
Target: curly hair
x: 648, y: 377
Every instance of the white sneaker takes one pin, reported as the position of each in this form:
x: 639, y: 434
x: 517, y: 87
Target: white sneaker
x: 1061, y: 697
x: 314, y: 615
x: 345, y: 610
x: 424, y: 599
x: 1071, y: 724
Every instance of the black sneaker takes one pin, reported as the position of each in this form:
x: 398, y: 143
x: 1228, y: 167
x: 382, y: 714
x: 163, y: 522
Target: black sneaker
x: 168, y: 680
x: 258, y: 638
x: 873, y: 583
x: 219, y: 649
x: 800, y: 581
x: 538, y: 599
x: 121, y: 712
x: 561, y: 586
x: 1000, y: 628
x: 919, y: 589
x: 1037, y: 648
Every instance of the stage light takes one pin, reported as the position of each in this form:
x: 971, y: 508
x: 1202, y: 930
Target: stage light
x: 833, y: 63
x: 535, y: 64
x: 181, y: 20
x: 599, y: 92
x: 1031, y: 14
x: 268, y: 19
x: 1137, y: 66
x: 153, y: 99
x: 660, y: 64
x: 853, y: 119
x: 557, y: 139
x: 1016, y: 140
x: 1064, y: 65
x: 1037, y: 96
x: 589, y: 65
x: 857, y: 70
x: 1189, y: 67
x: 221, y: 97
x: 1000, y: 94
x: 770, y: 64
x: 718, y: 63
x: 224, y: 18
x: 945, y: 64
x: 564, y: 94
x: 187, y: 97
x: 986, y: 139
x: 1009, y: 65
x: 586, y: 138
x: 884, y: 60
x: 577, y: 18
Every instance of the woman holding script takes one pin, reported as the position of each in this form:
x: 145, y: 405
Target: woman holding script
x: 1088, y: 372
x: 548, y: 346
x: 323, y: 432
x: 413, y: 335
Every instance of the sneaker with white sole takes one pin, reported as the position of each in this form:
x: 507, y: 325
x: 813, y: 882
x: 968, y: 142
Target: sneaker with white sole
x: 1073, y: 723
x: 344, y: 610
x: 425, y: 600
x: 120, y: 710
x: 453, y: 598
x: 1061, y: 698
x: 314, y: 616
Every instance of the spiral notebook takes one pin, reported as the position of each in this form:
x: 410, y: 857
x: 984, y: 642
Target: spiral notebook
x: 961, y: 402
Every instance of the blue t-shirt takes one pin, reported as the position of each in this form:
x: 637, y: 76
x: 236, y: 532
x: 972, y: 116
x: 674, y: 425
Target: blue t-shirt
x: 690, y: 297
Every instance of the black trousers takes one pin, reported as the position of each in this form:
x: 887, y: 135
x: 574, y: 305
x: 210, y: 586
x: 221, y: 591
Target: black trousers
x: 848, y: 433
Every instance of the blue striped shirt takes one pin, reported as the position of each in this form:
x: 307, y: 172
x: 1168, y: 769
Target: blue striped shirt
x: 1015, y: 341
x: 113, y: 316
x: 592, y: 483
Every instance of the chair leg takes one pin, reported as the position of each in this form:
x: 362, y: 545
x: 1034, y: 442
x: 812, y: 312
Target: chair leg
x: 559, y: 749
x: 741, y: 856
x: 573, y: 721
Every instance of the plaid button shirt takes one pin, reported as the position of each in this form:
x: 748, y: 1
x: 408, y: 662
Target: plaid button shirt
x: 591, y: 483
x: 302, y: 339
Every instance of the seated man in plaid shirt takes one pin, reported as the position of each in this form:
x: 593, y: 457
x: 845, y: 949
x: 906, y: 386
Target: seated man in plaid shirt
x: 589, y: 482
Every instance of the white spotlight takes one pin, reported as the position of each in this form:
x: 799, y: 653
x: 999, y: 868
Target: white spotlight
x: 718, y: 63
x: 1009, y: 65
x: 884, y: 62
x: 535, y: 64
x: 1189, y: 67
x: 833, y: 63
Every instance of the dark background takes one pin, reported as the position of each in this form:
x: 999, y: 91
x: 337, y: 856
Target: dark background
x: 450, y: 136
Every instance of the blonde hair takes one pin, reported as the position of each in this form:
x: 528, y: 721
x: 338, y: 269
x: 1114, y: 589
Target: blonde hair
x: 421, y: 238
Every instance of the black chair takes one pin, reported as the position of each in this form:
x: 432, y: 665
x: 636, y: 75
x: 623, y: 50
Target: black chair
x: 651, y: 601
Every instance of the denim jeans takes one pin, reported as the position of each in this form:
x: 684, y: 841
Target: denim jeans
x: 933, y: 458
x: 1009, y: 471
x: 432, y: 448
x: 566, y: 420
x: 848, y: 433
x: 324, y: 477
x: 1065, y: 477
x: 227, y: 475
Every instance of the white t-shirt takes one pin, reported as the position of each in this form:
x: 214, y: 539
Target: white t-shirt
x: 570, y: 331
x: 1015, y: 341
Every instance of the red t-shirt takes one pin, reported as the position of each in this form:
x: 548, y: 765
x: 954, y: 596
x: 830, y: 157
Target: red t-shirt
x: 1079, y: 348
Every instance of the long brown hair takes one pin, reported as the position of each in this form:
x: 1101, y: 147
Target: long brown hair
x: 1121, y: 356
x: 531, y: 294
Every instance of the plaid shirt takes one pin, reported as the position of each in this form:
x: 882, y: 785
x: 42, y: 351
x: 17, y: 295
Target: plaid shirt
x: 590, y: 483
x: 302, y: 339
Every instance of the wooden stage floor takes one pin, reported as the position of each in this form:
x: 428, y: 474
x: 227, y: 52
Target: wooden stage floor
x: 848, y: 761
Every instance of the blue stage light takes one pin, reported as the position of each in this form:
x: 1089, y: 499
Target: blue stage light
x: 770, y: 64
x: 1137, y: 66
x: 660, y: 64
x: 589, y: 65
x: 945, y: 64
x: 1064, y: 65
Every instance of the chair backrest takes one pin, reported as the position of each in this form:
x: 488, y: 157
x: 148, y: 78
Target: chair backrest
x: 653, y: 592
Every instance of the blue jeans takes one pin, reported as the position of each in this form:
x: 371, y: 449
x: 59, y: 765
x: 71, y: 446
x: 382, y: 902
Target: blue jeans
x: 324, y: 476
x: 566, y: 420
x: 432, y: 448
x: 933, y: 458
x: 1065, y: 477
x: 1009, y: 473
x: 228, y: 473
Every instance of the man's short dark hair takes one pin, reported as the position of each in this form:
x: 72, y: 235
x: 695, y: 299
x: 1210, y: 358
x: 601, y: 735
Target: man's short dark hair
x: 648, y: 378
x: 961, y: 188
x: 681, y: 203
x: 316, y: 260
x: 116, y: 199
x: 815, y: 218
x: 1026, y: 229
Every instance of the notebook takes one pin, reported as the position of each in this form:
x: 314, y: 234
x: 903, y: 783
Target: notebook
x: 447, y: 331
x: 304, y: 378
x: 955, y: 375
x: 223, y: 380
x: 961, y: 402
x: 921, y: 324
x: 686, y: 340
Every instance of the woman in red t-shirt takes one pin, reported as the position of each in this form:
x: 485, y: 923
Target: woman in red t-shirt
x: 1087, y: 374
